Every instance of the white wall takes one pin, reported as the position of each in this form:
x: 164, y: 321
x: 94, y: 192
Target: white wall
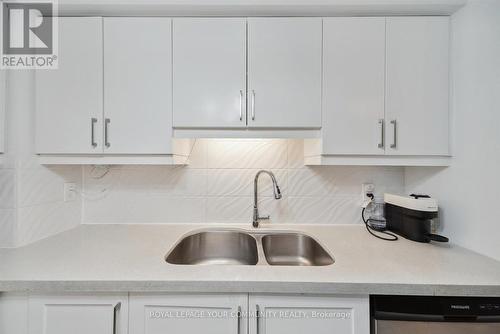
x: 32, y: 205
x: 469, y: 190
x: 217, y: 187
x: 7, y: 178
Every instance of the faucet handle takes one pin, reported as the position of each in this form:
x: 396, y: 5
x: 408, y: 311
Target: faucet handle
x: 258, y: 219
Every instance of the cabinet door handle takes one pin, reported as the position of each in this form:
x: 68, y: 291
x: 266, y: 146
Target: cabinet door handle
x: 106, y: 130
x: 381, y: 144
x: 395, y: 134
x: 93, y: 121
x: 241, y: 102
x: 253, y: 105
x: 257, y: 316
x: 116, y: 309
x: 239, y: 319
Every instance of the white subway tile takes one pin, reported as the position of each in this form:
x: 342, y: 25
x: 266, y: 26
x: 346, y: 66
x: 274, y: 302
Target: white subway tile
x: 246, y: 153
x: 41, y: 221
x: 123, y: 207
x: 240, y: 182
x: 295, y: 153
x: 218, y: 187
x: 198, y: 155
x: 46, y: 185
x: 7, y: 228
x: 324, y: 210
x: 237, y: 210
x: 310, y: 182
x: 7, y: 188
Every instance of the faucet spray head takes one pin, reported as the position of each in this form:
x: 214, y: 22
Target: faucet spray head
x: 277, y: 194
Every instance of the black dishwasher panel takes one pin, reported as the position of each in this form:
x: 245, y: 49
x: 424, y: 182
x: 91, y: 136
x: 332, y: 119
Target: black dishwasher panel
x: 434, y: 315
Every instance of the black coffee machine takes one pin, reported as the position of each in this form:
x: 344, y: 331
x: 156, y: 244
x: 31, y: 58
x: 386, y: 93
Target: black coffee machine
x: 412, y: 217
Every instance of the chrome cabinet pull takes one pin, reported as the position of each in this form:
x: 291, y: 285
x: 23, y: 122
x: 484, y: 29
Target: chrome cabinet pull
x: 241, y: 102
x: 257, y: 316
x: 253, y: 105
x: 239, y: 319
x: 116, y: 309
x: 106, y: 130
x: 93, y: 121
x: 381, y: 144
x: 395, y: 128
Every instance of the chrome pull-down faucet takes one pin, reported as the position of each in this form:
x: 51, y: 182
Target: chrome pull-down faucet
x: 276, y: 191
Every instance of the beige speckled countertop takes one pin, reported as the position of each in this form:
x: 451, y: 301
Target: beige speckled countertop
x: 131, y: 258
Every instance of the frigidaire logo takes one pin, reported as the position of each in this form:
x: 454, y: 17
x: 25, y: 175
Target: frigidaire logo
x: 29, y: 35
x: 460, y: 307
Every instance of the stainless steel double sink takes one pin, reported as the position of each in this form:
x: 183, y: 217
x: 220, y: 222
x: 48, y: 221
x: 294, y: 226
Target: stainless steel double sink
x: 212, y: 247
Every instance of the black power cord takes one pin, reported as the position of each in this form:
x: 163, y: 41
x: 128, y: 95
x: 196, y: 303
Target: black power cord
x: 371, y: 230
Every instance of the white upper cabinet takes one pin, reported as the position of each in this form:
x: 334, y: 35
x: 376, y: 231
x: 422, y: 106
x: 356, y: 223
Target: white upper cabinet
x: 372, y: 88
x: 417, y: 86
x: 353, y: 85
x: 385, y: 92
x: 309, y: 314
x: 284, y: 72
x: 137, y: 86
x: 209, y: 57
x: 69, y: 99
x: 110, y: 101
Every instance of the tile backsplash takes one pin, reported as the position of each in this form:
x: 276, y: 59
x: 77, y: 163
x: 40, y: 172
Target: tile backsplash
x: 217, y: 186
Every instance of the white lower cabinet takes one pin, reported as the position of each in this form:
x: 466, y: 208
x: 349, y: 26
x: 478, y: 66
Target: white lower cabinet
x: 188, y: 314
x: 237, y: 314
x: 309, y: 314
x: 184, y: 313
x: 77, y: 314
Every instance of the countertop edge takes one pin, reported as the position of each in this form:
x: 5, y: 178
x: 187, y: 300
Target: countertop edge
x: 249, y: 287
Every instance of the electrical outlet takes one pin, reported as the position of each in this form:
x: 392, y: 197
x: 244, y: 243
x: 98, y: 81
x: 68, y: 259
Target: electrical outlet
x: 366, y: 188
x: 69, y: 191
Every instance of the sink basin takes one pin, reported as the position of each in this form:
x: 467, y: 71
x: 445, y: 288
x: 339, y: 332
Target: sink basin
x: 215, y: 247
x: 273, y: 248
x: 294, y: 249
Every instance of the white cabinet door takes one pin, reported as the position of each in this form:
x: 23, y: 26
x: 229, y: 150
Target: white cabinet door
x: 137, y: 85
x: 284, y: 72
x: 307, y: 314
x: 353, y: 85
x: 417, y: 85
x: 78, y: 314
x: 69, y: 99
x: 209, y: 72
x: 3, y: 87
x: 187, y: 314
